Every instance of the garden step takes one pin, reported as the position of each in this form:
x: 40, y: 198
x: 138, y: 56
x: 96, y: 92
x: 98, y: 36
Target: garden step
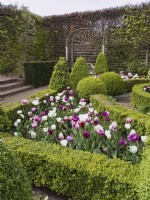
x: 15, y: 90
x: 9, y: 86
x: 7, y: 80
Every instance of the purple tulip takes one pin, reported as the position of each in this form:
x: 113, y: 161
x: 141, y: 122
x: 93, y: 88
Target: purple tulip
x: 36, y: 119
x: 122, y: 141
x: 69, y: 138
x: 107, y: 119
x: 95, y: 122
x: 60, y: 107
x: 86, y: 134
x: 70, y: 92
x: 105, y: 114
x: 64, y: 108
x: 33, y: 109
x: 133, y: 137
x: 50, y: 132
x: 75, y: 118
x: 43, y: 113
x: 34, y: 125
x: 88, y: 120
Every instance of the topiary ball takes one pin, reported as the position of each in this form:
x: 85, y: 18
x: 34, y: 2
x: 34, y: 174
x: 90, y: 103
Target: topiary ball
x: 15, y: 184
x: 114, y: 83
x: 90, y: 86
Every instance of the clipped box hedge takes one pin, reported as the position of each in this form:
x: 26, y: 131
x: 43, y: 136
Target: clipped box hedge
x: 38, y: 73
x: 140, y: 98
x: 128, y: 84
x: 77, y: 174
x: 141, y: 122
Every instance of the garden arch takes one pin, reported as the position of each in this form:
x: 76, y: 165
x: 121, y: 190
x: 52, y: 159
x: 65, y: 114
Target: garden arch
x: 86, y: 42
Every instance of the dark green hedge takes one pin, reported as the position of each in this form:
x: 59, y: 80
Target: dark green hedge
x: 140, y: 98
x: 128, y: 84
x: 38, y: 73
x: 77, y: 174
x: 141, y: 122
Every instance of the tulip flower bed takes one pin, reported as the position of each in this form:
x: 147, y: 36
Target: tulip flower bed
x: 75, y: 124
x: 147, y: 88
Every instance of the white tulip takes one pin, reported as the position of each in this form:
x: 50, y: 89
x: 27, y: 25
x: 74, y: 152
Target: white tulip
x: 53, y: 126
x: 57, y: 98
x: 15, y: 134
x: 97, y: 127
x: 108, y: 134
x: 35, y: 102
x: 127, y: 126
x: 133, y: 149
x: 19, y: 111
x: 91, y: 109
x: 44, y: 101
x: 61, y: 136
x: 52, y: 104
x: 83, y: 104
x: 44, y: 118
x: 45, y: 130
x: 71, y: 98
x: 18, y: 121
x: 58, y: 119
x: 33, y: 134
x: 64, y: 143
x: 60, y: 94
x: 16, y: 124
x: 143, y: 138
x: 76, y: 110
x: 21, y: 115
x: 83, y: 117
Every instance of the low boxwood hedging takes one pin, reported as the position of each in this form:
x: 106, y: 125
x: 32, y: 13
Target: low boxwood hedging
x: 128, y: 84
x: 5, y: 123
x: 140, y: 98
x: 77, y: 174
x: 141, y: 122
x: 38, y: 73
x: 13, y: 179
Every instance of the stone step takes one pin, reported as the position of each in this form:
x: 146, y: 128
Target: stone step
x: 7, y: 80
x: 9, y: 86
x: 15, y: 90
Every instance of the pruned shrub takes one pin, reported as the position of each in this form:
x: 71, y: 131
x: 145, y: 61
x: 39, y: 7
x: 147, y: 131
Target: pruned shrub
x: 143, y: 184
x: 79, y: 71
x: 13, y: 179
x: 114, y: 83
x: 90, y: 86
x: 5, y: 123
x: 101, y: 64
x: 60, y: 77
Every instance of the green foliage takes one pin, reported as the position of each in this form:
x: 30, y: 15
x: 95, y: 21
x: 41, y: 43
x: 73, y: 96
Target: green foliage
x: 140, y: 98
x: 77, y: 174
x: 60, y: 77
x: 101, y: 64
x: 14, y: 181
x: 143, y: 183
x: 148, y: 74
x: 114, y: 83
x: 4, y: 121
x: 128, y: 84
x: 38, y: 73
x: 90, y: 86
x: 79, y: 71
x: 141, y: 122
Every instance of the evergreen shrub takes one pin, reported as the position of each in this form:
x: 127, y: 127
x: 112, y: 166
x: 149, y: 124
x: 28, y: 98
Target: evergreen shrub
x: 90, y: 86
x: 128, y: 84
x: 5, y: 123
x: 114, y: 83
x: 77, y: 174
x: 101, y: 64
x: 140, y: 98
x: 60, y: 77
x: 118, y: 113
x: 79, y: 71
x: 38, y: 73
x: 149, y: 74
x: 143, y: 183
x: 14, y: 182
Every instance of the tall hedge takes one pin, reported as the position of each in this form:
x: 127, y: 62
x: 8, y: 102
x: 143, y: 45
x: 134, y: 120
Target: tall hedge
x: 38, y: 73
x: 101, y: 64
x: 60, y: 77
x: 79, y: 71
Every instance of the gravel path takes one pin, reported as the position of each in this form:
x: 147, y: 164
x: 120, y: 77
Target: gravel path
x: 13, y: 99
